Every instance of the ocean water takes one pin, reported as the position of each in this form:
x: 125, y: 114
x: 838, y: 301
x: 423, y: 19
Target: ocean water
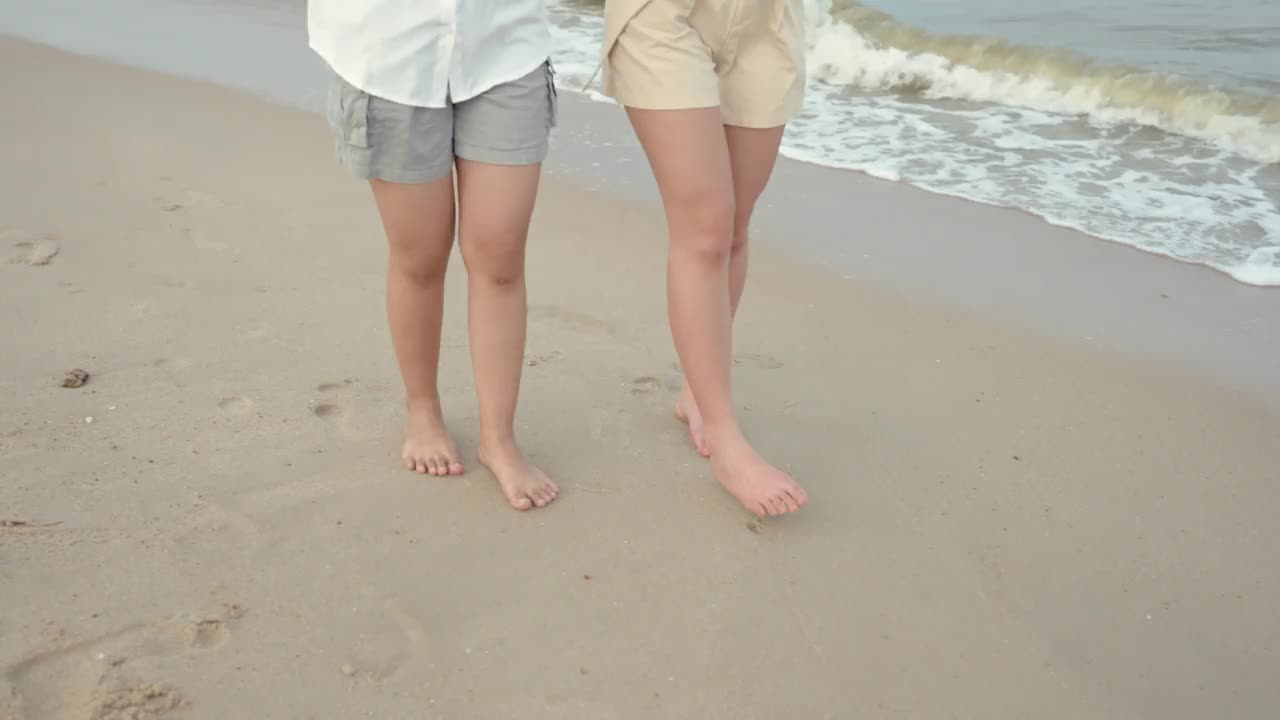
x: 1153, y: 123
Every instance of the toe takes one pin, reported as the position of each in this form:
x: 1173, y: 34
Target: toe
x: 698, y: 438
x: 521, y: 502
x: 777, y: 505
x: 789, y: 503
x: 419, y: 466
x: 797, y: 494
x: 455, y: 467
x: 433, y: 466
x: 408, y: 462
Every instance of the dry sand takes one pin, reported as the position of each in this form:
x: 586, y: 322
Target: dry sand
x: 1001, y: 526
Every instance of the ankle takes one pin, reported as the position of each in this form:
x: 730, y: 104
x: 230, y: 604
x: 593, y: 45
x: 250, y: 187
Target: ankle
x: 497, y: 444
x: 724, y: 434
x: 424, y: 406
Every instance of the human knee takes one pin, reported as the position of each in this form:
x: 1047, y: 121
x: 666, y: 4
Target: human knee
x: 422, y: 263
x: 706, y: 228
x: 494, y: 258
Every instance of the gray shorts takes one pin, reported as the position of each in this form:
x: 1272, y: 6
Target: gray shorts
x: 509, y: 124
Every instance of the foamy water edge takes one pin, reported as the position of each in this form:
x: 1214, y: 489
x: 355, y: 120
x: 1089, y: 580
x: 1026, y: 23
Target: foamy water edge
x: 1194, y: 225
x: 1251, y: 273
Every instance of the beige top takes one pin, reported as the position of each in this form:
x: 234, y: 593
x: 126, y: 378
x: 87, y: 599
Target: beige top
x: 617, y: 13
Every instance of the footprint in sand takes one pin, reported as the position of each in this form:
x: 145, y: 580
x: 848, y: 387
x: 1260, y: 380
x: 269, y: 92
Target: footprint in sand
x: 331, y: 387
x: 177, y: 369
x: 130, y: 703
x: 187, y: 200
x: 329, y: 411
x: 536, y: 359
x: 201, y: 200
x: 645, y: 385
x: 648, y: 385
x: 757, y: 361
x: 380, y: 649
x: 93, y: 675
x: 236, y: 405
x: 572, y: 319
x: 226, y: 520
x: 200, y: 240
x: 166, y: 205
x: 35, y: 249
x: 51, y: 538
x: 208, y: 634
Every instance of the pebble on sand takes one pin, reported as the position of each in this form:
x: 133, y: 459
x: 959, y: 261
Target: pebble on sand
x: 75, y: 378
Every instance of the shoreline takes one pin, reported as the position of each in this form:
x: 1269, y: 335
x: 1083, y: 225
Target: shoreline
x: 842, y: 132
x: 274, y: 62
x: 1229, y: 273
x: 1004, y: 524
x: 1056, y: 282
x: 1052, y: 280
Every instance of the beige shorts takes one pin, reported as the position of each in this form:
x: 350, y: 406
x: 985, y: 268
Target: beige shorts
x: 744, y: 56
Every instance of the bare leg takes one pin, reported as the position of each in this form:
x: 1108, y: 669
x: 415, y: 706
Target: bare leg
x: 495, y: 205
x: 752, y: 155
x: 689, y: 155
x: 419, y: 221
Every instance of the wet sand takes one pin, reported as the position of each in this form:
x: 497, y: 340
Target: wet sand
x: 1004, y: 524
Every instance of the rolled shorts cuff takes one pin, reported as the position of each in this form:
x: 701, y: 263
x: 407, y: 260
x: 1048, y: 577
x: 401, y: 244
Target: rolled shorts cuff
x: 668, y: 99
x: 531, y: 155
x: 359, y: 162
x: 758, y: 121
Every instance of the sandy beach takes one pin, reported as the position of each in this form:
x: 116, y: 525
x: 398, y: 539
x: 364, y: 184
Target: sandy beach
x: 1003, y: 523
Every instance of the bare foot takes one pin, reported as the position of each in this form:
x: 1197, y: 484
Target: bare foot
x: 759, y: 486
x: 687, y: 412
x: 428, y: 449
x: 524, y: 485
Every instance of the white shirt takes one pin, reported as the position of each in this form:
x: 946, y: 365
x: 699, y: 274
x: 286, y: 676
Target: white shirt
x: 422, y: 52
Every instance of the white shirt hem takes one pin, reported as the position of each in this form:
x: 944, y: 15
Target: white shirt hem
x: 372, y: 88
